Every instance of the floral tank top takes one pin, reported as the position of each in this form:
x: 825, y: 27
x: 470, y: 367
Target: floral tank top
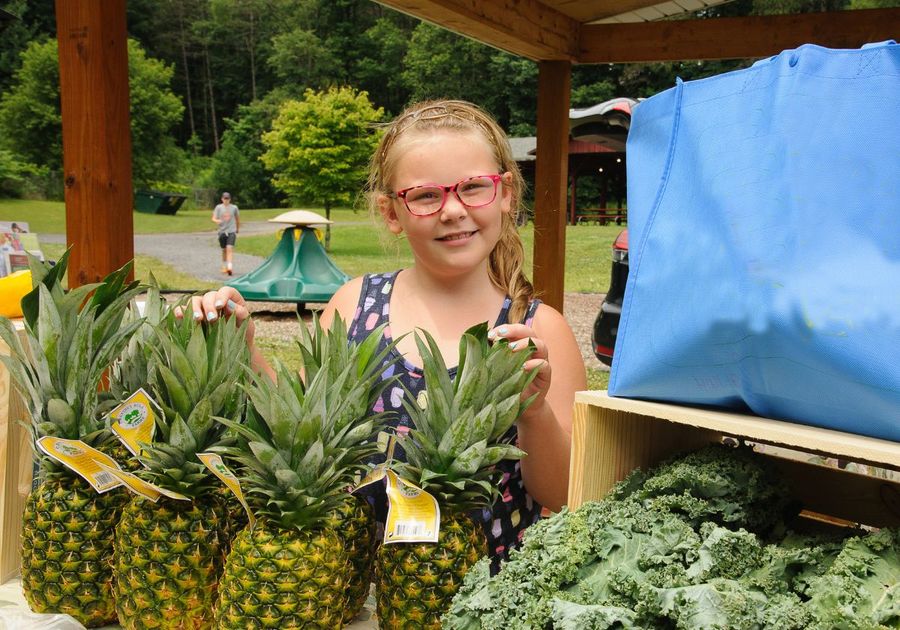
x: 505, y: 522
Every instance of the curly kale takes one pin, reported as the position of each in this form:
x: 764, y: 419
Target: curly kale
x: 861, y: 588
x: 720, y: 484
x: 688, y: 545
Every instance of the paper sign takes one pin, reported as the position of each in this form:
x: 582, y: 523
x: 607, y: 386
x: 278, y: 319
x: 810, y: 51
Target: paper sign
x: 219, y: 469
x: 134, y: 421
x: 88, y: 462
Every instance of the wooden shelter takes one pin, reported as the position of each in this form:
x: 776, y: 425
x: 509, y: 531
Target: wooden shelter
x: 555, y: 33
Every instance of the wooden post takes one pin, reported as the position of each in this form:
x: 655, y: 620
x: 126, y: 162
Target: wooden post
x: 551, y: 166
x: 93, y: 76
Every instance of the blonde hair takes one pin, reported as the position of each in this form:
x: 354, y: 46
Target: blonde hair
x: 508, y: 256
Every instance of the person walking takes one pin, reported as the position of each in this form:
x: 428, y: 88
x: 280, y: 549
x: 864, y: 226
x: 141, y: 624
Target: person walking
x: 227, y: 216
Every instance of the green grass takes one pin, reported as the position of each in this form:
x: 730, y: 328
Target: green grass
x: 49, y: 217
x: 167, y: 276
x: 358, y: 247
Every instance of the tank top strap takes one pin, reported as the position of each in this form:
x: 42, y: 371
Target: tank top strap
x: 503, y: 317
x: 530, y: 311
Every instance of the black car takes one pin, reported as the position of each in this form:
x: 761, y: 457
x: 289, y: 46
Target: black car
x: 607, y: 323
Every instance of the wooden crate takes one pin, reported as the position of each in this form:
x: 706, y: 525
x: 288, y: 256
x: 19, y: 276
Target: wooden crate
x: 16, y: 463
x: 613, y: 436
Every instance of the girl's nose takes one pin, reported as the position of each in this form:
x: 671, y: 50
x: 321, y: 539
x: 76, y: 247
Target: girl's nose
x: 453, y: 208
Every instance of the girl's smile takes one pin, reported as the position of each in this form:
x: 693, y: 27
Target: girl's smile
x: 457, y: 238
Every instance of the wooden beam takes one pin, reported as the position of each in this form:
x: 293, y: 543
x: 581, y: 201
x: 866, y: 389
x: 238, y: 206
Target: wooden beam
x: 734, y: 38
x: 93, y: 76
x: 550, y: 179
x: 528, y: 28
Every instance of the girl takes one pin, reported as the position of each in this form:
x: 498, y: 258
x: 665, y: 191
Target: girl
x: 443, y: 176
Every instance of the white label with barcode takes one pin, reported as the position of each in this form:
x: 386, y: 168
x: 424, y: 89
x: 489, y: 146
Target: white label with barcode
x: 105, y: 479
x: 412, y: 528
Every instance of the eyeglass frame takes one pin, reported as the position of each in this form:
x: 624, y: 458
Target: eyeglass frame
x: 445, y: 191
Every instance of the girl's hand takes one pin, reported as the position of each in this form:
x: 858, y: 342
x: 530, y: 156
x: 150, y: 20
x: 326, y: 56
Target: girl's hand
x: 226, y: 302
x: 518, y: 336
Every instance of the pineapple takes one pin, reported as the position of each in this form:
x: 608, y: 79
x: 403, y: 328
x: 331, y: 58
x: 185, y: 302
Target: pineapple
x: 169, y: 554
x: 354, y: 519
x: 67, y: 538
x: 304, y: 444
x: 459, y: 437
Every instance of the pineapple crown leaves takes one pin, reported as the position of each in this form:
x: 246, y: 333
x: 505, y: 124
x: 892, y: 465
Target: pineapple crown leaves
x: 131, y: 370
x: 306, y: 439
x: 191, y: 362
x: 196, y: 373
x: 463, y: 431
x: 70, y: 341
x: 292, y: 416
x: 355, y: 369
x: 294, y: 461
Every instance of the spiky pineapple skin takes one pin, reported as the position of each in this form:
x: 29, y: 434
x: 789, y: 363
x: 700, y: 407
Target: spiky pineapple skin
x: 415, y: 582
x: 169, y: 558
x: 235, y: 515
x: 283, y: 578
x: 67, y: 546
x: 355, y: 524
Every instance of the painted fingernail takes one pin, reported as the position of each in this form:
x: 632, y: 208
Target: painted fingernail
x: 210, y: 316
x: 197, y: 315
x: 491, y: 334
x: 503, y: 331
x: 231, y: 305
x: 219, y: 304
x: 512, y: 346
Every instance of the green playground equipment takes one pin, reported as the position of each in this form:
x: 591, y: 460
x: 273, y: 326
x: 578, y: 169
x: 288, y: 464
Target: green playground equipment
x: 299, y: 270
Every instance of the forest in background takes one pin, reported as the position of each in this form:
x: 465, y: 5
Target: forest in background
x: 208, y: 78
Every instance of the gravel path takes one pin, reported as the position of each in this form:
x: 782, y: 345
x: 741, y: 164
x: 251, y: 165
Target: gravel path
x: 198, y: 254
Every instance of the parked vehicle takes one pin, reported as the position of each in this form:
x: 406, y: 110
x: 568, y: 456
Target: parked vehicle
x: 606, y: 325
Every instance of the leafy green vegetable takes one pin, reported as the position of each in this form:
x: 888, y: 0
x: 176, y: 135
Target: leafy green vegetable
x: 698, y: 543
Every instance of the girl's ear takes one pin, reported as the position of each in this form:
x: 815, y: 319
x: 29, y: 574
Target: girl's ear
x: 506, y: 192
x: 388, y: 210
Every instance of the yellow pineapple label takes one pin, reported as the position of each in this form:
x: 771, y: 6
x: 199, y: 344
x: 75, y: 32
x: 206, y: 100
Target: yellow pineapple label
x: 88, y: 462
x: 413, y: 515
x: 134, y: 421
x: 219, y: 469
x: 143, y: 488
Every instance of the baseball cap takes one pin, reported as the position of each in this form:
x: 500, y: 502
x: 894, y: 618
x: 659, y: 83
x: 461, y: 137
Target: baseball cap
x: 226, y: 195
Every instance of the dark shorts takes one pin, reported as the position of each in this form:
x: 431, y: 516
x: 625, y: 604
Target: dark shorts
x: 227, y: 239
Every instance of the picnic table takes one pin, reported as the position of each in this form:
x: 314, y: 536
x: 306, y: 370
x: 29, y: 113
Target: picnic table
x: 602, y: 216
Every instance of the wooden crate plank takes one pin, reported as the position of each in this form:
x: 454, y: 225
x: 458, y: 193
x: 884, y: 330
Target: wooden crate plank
x: 607, y: 444
x: 849, y: 446
x: 15, y: 472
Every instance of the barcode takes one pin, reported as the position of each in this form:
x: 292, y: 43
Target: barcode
x: 104, y: 479
x: 410, y: 528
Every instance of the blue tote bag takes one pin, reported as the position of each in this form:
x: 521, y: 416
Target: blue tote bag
x: 764, y: 220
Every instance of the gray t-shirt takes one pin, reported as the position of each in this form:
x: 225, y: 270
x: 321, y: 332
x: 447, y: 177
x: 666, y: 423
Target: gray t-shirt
x: 228, y: 215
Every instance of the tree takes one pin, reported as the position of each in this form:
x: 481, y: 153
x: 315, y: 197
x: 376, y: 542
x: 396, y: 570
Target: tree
x: 237, y: 166
x: 31, y: 124
x: 441, y: 64
x: 319, y: 147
